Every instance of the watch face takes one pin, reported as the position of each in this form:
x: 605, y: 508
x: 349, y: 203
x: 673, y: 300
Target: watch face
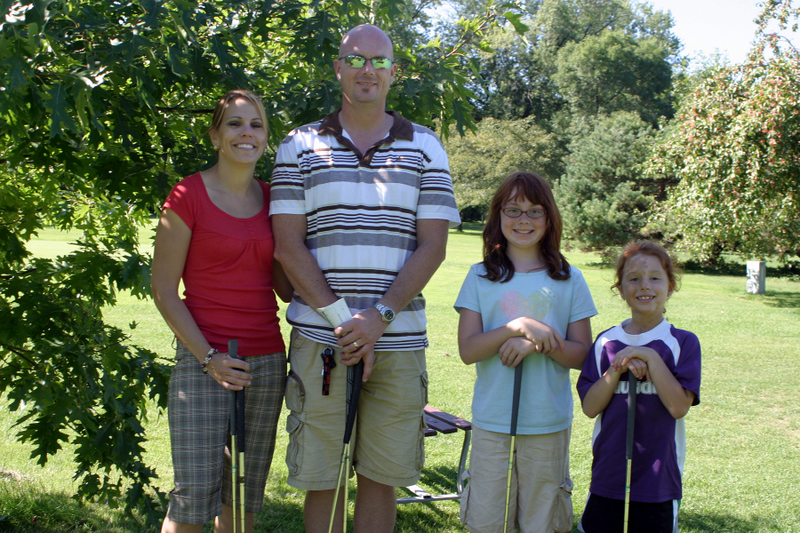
x: 388, y: 314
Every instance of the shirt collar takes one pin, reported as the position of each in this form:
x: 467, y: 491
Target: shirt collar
x: 401, y: 129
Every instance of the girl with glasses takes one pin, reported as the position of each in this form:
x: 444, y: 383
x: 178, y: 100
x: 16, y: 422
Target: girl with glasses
x: 523, y: 302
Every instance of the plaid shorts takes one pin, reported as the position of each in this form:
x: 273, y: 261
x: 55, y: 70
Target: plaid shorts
x: 199, y: 424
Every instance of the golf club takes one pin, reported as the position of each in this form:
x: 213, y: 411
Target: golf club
x: 237, y: 449
x: 514, y: 415
x: 632, y: 382
x: 354, y: 376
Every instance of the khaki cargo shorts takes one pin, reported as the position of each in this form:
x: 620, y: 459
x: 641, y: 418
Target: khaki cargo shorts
x: 541, y: 490
x: 387, y: 443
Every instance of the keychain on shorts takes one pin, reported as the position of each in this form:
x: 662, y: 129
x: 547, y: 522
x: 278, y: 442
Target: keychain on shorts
x: 328, y: 364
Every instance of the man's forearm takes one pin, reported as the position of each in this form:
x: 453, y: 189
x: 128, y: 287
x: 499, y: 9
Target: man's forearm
x: 307, y: 278
x: 299, y: 265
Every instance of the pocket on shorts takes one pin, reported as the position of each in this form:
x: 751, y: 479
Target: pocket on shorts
x: 182, y: 353
x: 420, y: 459
x: 562, y: 514
x: 423, y: 378
x: 294, y: 451
x: 296, y: 342
x: 295, y: 395
x: 464, y: 510
x: 420, y: 462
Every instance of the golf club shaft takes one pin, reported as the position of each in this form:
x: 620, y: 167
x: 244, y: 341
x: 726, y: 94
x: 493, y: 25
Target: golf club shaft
x: 232, y: 348
x: 237, y: 449
x: 514, y: 416
x: 339, y: 478
x: 355, y: 374
x: 240, y: 444
x: 632, y: 383
x: 234, y: 472
x: 240, y: 448
x: 346, y: 494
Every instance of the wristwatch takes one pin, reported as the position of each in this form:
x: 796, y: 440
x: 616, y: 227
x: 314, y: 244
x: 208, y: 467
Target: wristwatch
x: 387, y: 313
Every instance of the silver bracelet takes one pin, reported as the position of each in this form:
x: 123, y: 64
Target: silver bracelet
x: 207, y: 360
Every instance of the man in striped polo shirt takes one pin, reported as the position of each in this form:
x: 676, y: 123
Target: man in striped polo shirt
x: 361, y: 205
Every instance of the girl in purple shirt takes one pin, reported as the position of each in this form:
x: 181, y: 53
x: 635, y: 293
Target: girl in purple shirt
x: 666, y: 360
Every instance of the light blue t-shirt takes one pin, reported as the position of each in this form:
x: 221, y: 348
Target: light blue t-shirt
x: 546, y: 394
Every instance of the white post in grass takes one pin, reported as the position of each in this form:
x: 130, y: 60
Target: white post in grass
x: 756, y: 277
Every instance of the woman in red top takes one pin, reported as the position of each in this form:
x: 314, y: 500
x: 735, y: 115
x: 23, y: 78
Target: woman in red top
x: 215, y: 235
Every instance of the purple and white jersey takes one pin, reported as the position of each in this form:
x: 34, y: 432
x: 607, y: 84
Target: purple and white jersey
x: 659, y: 440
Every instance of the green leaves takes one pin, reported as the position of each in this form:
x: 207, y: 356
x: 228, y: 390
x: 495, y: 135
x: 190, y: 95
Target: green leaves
x: 605, y: 199
x: 479, y: 162
x: 516, y: 20
x: 59, y: 119
x: 105, y: 105
x: 614, y: 71
x: 735, y: 154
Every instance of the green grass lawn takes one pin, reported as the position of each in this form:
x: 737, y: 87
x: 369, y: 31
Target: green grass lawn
x: 743, y: 465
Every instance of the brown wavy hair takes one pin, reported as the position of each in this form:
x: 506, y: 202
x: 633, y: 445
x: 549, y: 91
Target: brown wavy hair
x: 536, y: 189
x: 647, y: 248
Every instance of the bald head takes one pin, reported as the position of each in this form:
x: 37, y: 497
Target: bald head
x: 362, y: 34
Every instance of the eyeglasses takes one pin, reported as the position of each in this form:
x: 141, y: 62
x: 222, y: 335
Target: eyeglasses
x: 513, y: 212
x: 359, y: 61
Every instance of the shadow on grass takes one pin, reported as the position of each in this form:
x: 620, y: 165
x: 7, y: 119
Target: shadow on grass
x: 281, y: 514
x: 718, y: 523
x: 440, y: 516
x: 790, y: 270
x: 27, y: 508
x: 439, y: 479
x: 789, y: 300
x: 283, y: 507
x: 471, y: 228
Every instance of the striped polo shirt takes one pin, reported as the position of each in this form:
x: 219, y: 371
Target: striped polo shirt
x: 362, y: 212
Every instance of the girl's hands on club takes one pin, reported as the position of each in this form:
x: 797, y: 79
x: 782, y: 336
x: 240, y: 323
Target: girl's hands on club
x: 232, y: 374
x: 544, y: 338
x: 514, y: 350
x: 635, y: 359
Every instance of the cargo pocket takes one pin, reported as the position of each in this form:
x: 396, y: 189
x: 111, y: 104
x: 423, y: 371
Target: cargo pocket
x: 295, y: 401
x: 420, y: 462
x: 464, y: 512
x: 294, y: 451
x: 562, y: 514
x: 295, y: 395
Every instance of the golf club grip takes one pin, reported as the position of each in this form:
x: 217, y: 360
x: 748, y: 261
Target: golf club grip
x: 632, y: 382
x: 354, y: 375
x: 233, y: 348
x: 515, y: 400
